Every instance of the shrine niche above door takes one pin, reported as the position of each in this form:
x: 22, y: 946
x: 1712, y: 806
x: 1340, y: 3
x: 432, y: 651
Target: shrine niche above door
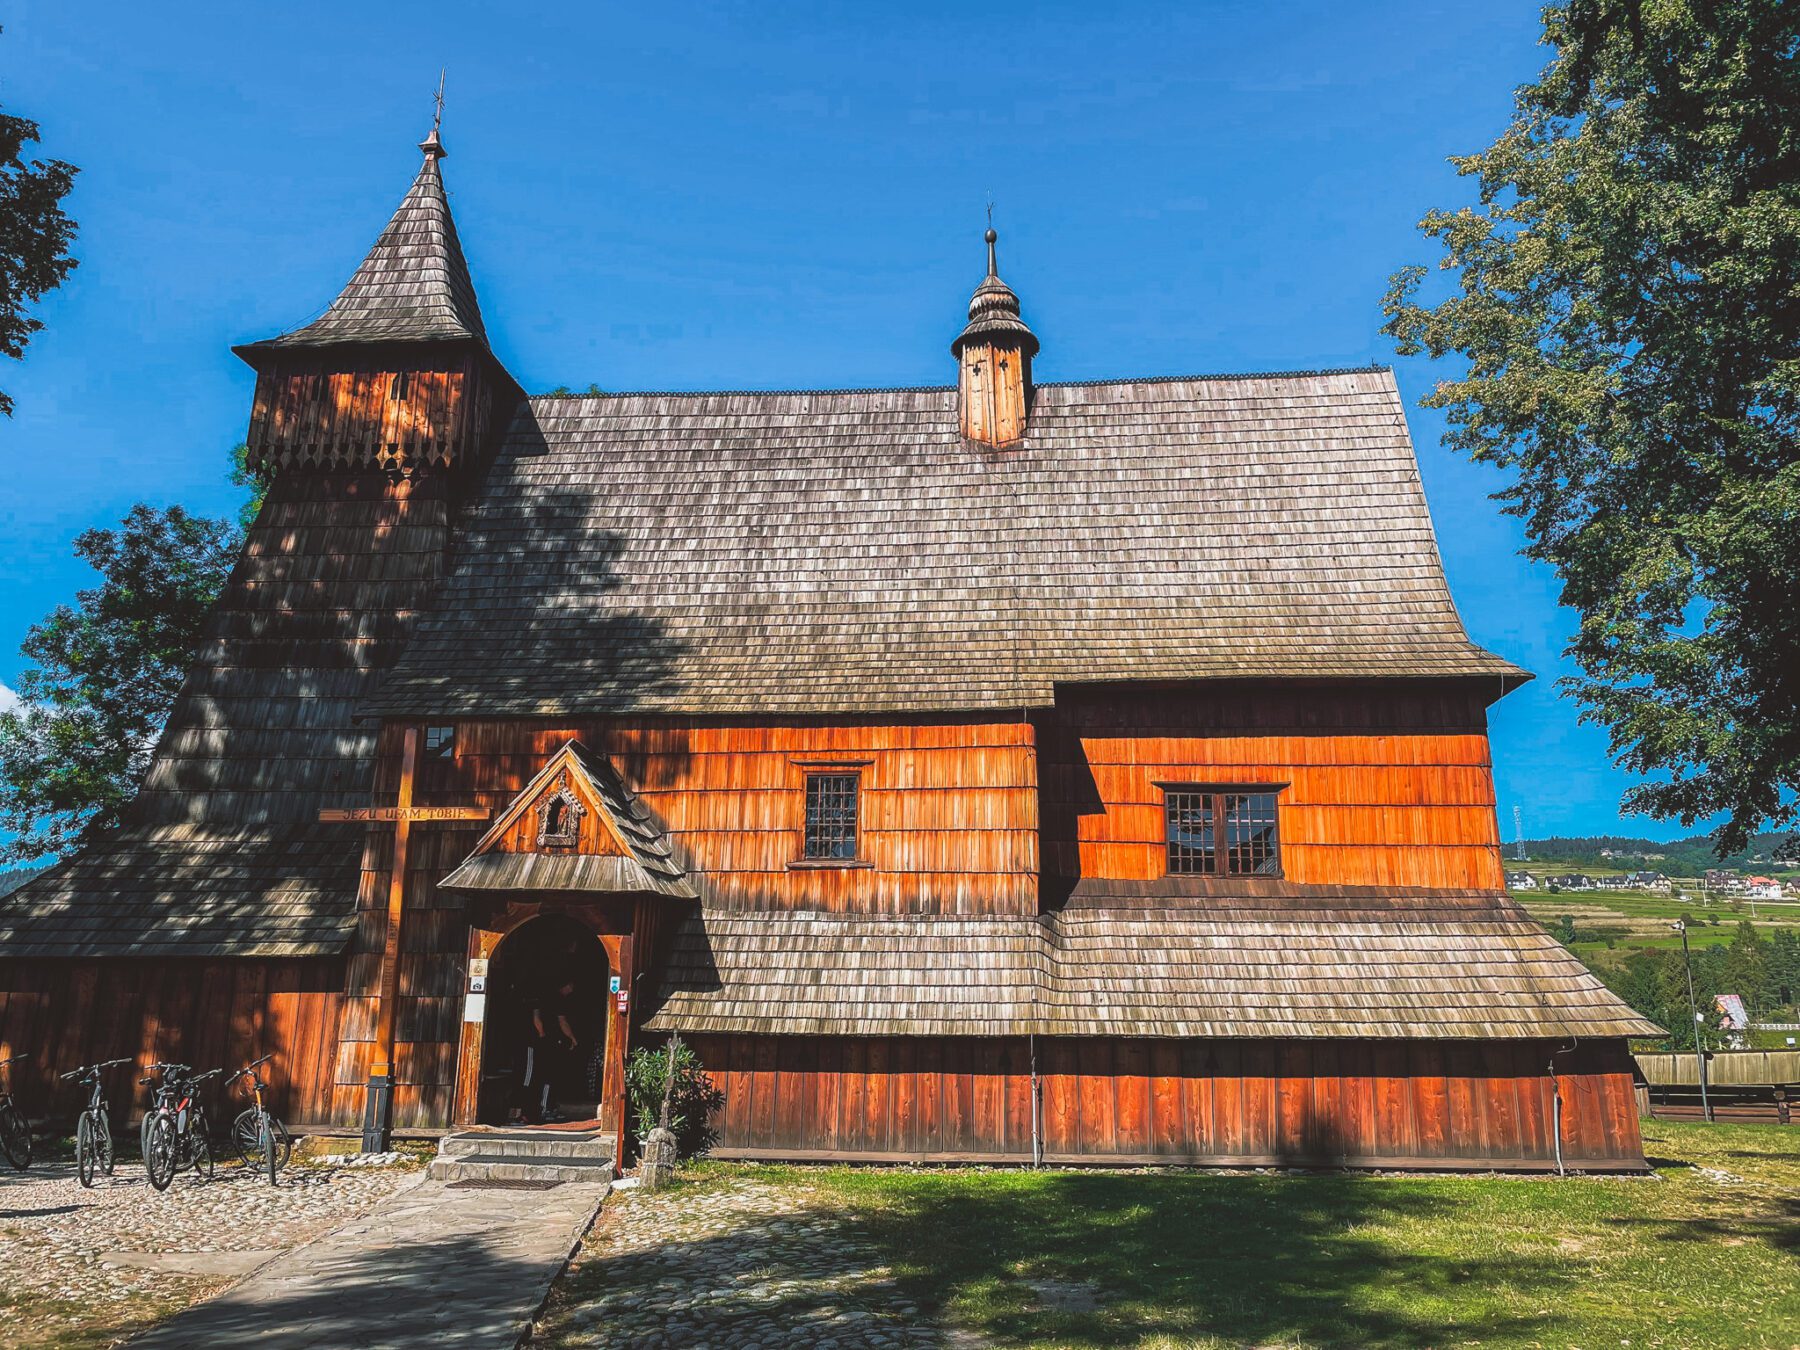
x: 575, y: 828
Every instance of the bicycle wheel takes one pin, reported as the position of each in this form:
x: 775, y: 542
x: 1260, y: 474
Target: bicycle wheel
x: 159, y: 1150
x: 246, y: 1136
x: 15, y: 1136
x: 202, y: 1146
x: 103, y: 1137
x: 268, y: 1143
x: 84, y: 1150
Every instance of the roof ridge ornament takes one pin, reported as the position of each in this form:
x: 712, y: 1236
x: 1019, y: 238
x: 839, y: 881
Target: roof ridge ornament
x: 433, y: 145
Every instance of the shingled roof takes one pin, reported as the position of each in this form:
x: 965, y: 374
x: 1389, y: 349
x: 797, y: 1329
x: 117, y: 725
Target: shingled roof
x: 850, y: 552
x: 414, y: 285
x: 1447, y: 965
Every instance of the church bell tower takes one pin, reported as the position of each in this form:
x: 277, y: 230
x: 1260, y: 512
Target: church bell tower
x: 396, y: 376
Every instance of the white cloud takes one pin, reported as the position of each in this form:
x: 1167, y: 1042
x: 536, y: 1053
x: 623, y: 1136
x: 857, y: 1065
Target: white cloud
x: 8, y: 700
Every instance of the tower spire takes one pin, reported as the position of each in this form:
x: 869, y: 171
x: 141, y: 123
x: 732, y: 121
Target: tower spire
x: 432, y: 145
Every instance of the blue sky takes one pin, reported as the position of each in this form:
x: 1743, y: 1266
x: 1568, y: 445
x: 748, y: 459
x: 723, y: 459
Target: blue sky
x: 762, y: 195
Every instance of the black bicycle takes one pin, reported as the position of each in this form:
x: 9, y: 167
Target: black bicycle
x: 260, y: 1137
x: 15, y: 1130
x: 174, y: 1131
x: 93, y: 1133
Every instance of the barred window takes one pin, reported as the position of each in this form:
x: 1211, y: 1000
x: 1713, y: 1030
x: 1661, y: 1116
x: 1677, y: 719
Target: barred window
x: 1190, y: 830
x: 831, y: 816
x: 1222, y: 832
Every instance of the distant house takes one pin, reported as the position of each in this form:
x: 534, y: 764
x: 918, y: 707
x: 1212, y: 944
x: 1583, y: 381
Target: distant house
x: 1648, y: 881
x: 1762, y: 888
x: 1724, y: 881
x: 1521, y: 881
x: 1570, y: 881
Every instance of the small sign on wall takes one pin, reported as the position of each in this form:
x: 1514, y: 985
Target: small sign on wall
x: 475, y: 1007
x: 615, y: 984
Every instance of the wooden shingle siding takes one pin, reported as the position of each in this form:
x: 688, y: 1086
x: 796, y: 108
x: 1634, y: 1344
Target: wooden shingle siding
x: 949, y: 814
x: 1249, y: 1102
x: 850, y: 552
x: 1380, y: 786
x: 222, y: 852
x: 1407, y: 966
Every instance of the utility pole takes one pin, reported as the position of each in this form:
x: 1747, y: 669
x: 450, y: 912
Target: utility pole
x: 1687, y: 961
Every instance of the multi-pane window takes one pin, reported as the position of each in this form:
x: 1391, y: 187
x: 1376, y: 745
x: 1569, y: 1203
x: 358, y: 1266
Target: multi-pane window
x: 1222, y: 832
x: 440, y: 742
x: 831, y: 816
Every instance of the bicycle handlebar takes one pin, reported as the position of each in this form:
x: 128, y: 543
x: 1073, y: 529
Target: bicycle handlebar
x: 14, y: 1059
x: 93, y: 1068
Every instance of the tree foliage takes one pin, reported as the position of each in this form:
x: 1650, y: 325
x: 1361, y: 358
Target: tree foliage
x: 35, y: 235
x: 1763, y: 971
x: 104, y: 675
x: 1626, y: 298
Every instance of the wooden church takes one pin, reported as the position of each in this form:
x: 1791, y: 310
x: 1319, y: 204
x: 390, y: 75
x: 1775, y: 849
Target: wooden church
x: 1086, y: 772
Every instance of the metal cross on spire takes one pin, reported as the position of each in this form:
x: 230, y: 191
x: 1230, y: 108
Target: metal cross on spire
x: 993, y: 269
x: 432, y: 145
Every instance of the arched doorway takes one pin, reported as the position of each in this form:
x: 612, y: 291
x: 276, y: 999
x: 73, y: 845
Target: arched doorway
x: 547, y: 983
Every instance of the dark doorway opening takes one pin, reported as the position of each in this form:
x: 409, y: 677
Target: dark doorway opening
x: 547, y: 986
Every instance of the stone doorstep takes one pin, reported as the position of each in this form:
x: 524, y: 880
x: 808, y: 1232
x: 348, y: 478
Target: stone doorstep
x: 505, y: 1167
x: 527, y: 1144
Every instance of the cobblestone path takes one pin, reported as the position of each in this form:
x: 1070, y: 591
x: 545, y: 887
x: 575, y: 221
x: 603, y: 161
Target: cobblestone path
x: 739, y: 1265
x: 83, y: 1260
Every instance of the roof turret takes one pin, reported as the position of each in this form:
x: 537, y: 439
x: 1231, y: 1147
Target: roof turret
x: 994, y: 311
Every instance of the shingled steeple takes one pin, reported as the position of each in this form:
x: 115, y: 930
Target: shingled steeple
x: 397, y: 372
x: 414, y: 286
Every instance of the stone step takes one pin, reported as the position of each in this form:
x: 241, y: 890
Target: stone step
x: 527, y: 1144
x: 500, y: 1167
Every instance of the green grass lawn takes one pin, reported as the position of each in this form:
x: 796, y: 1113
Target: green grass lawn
x: 1688, y: 1257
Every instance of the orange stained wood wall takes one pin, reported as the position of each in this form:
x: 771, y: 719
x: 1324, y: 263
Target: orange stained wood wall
x: 1426, y: 1103
x: 390, y: 410
x: 208, y: 1013
x: 1380, y: 787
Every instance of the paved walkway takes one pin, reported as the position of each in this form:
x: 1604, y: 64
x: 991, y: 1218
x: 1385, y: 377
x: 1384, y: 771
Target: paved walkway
x: 456, y: 1269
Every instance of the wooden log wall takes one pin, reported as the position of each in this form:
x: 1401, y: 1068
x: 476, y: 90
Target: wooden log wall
x: 208, y: 1013
x: 1383, y: 788
x: 1354, y: 1103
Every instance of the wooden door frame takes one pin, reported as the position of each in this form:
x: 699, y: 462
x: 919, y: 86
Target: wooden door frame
x: 612, y: 925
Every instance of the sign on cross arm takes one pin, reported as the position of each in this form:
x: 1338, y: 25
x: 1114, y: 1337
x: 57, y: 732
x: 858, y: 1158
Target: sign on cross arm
x: 399, y: 813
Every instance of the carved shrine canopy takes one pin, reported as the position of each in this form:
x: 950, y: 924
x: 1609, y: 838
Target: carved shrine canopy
x: 575, y: 827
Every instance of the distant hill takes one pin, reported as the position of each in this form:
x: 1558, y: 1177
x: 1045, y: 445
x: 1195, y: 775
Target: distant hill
x: 1688, y: 857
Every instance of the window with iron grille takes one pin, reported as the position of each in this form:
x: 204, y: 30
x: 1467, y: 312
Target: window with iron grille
x: 1222, y: 832
x: 831, y: 816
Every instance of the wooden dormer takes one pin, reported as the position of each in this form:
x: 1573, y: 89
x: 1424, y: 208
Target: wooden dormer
x: 574, y: 827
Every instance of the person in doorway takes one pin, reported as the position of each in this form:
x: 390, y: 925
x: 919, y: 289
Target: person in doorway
x: 548, y: 1038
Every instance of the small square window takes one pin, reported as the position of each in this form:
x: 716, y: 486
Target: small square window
x: 831, y: 816
x: 440, y: 742
x: 1222, y: 832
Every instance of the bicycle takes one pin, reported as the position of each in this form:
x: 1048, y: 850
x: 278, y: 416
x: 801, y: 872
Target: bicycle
x: 15, y: 1130
x: 93, y: 1133
x: 259, y: 1135
x: 174, y: 1133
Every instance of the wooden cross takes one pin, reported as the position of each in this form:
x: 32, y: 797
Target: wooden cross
x: 378, y: 1113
